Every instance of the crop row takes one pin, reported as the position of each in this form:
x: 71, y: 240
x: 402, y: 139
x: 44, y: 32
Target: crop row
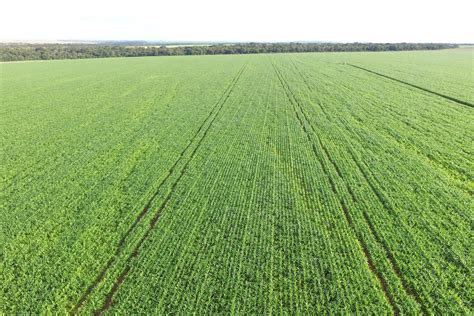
x: 100, y: 153
x: 263, y: 233
x: 234, y: 184
x: 393, y: 177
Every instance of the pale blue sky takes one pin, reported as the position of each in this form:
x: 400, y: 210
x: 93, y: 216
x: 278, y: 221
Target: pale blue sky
x: 239, y: 20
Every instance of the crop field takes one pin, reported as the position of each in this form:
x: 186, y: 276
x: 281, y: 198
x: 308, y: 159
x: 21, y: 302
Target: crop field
x: 322, y: 183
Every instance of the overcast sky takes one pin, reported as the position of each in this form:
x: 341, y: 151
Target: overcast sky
x: 239, y: 20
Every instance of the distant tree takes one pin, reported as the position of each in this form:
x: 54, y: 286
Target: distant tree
x: 13, y: 52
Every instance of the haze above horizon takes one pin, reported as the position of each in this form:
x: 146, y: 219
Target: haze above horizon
x: 239, y: 21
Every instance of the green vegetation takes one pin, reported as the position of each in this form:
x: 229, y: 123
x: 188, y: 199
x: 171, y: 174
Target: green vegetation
x: 22, y: 51
x: 257, y: 184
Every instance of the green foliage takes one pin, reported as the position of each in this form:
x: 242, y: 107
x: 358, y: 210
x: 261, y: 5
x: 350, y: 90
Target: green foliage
x: 15, y: 52
x: 286, y: 183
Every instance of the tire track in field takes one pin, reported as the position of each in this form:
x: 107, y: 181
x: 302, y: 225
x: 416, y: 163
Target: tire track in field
x: 408, y: 289
x: 370, y: 262
x: 120, y: 246
x: 454, y: 258
x: 459, y: 101
x: 217, y: 108
x: 457, y: 261
x: 389, y: 255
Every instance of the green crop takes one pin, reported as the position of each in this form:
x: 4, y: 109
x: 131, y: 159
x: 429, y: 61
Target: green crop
x: 298, y: 183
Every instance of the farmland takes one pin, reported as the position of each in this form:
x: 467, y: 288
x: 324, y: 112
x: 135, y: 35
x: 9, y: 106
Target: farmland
x: 280, y: 183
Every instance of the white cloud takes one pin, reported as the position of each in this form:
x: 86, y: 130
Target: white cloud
x: 242, y: 20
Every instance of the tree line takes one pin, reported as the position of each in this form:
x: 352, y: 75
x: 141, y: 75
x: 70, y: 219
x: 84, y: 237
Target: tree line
x: 18, y: 52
